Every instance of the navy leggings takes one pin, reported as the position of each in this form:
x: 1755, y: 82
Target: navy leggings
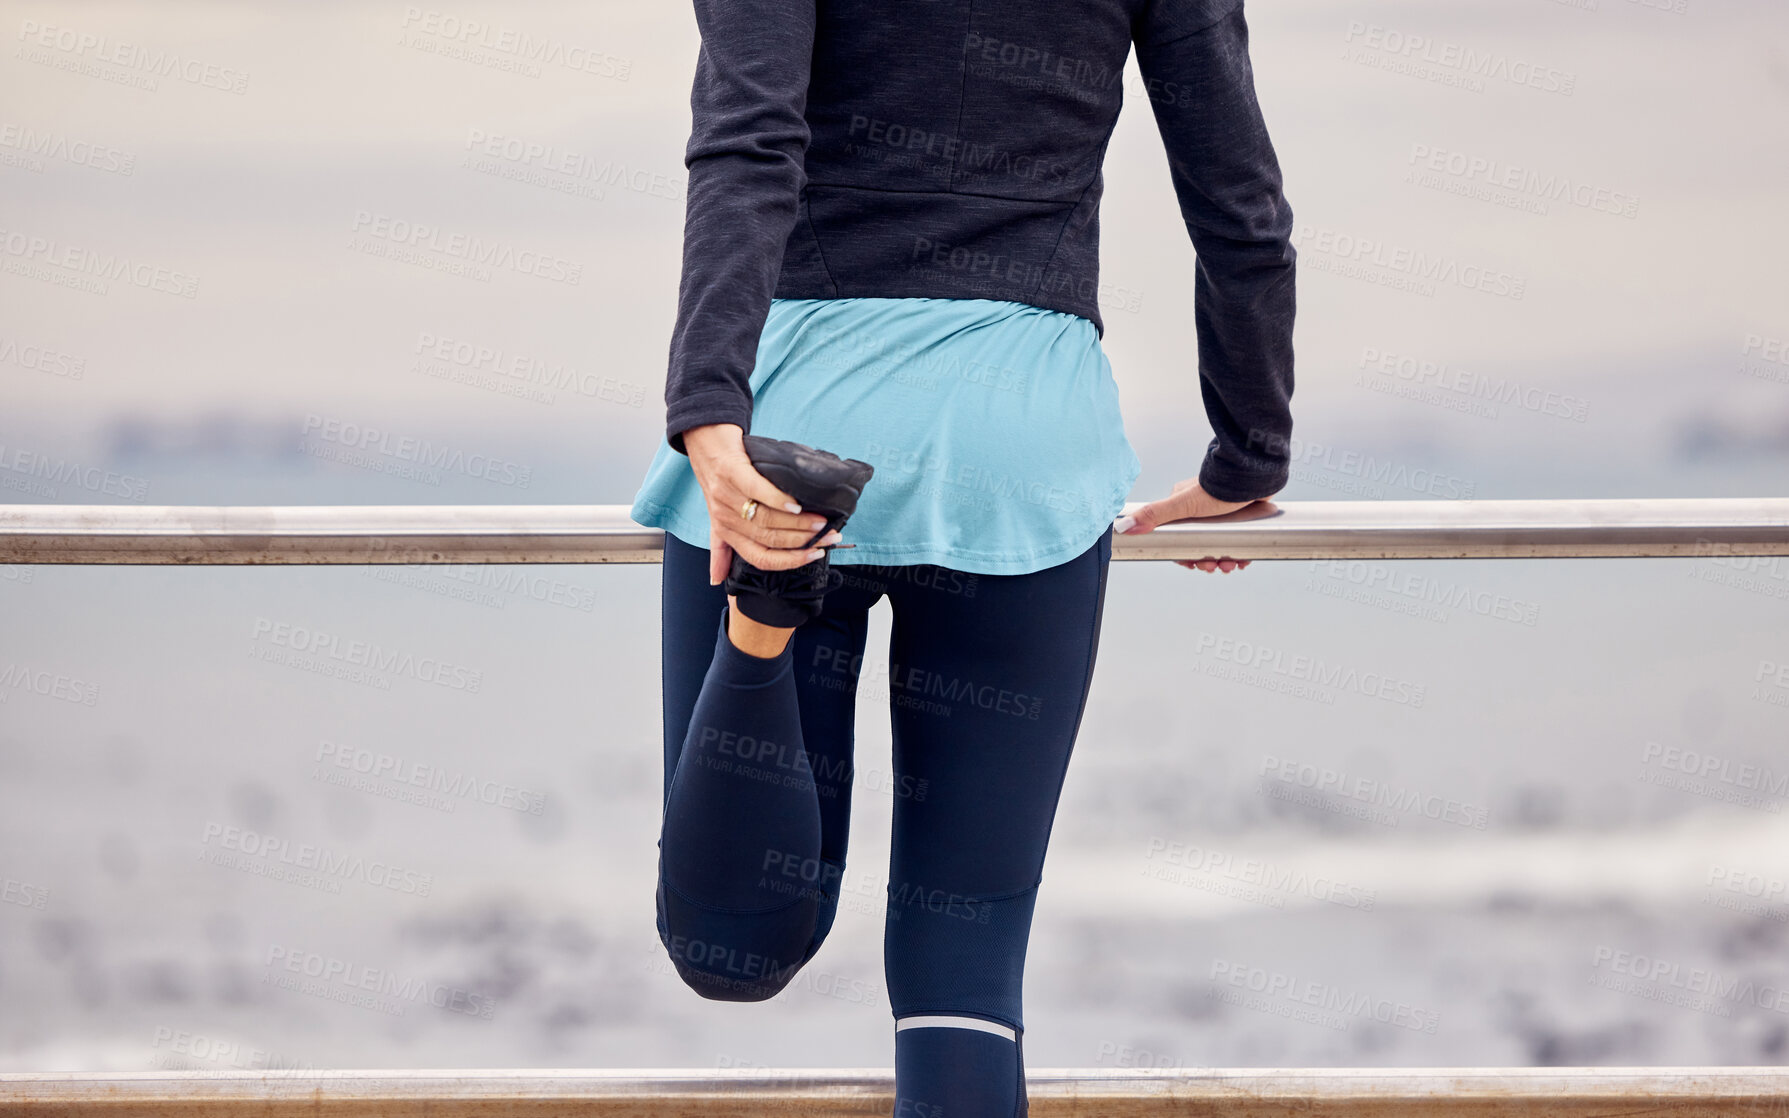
x: 988, y: 675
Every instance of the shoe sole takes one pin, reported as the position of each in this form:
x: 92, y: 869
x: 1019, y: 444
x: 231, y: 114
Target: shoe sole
x: 826, y: 482
x: 819, y: 481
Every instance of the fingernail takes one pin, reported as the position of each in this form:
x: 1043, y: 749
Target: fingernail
x: 791, y: 507
x: 1124, y: 524
x: 816, y: 554
x: 830, y: 537
x: 816, y: 525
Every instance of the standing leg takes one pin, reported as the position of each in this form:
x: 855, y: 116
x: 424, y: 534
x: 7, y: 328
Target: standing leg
x: 752, y: 845
x: 987, y: 693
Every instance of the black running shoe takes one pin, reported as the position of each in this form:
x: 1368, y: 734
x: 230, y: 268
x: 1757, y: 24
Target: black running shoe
x: 821, y: 483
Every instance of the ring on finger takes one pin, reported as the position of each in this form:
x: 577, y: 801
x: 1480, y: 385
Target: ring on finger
x: 749, y: 509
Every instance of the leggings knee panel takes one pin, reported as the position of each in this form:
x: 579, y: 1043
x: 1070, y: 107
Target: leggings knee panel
x: 949, y: 954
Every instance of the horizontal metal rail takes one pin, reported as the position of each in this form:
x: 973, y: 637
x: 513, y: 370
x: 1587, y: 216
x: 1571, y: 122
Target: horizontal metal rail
x: 376, y: 534
x: 1054, y: 1093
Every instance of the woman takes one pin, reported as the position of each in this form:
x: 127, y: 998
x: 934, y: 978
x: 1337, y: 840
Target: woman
x: 891, y: 253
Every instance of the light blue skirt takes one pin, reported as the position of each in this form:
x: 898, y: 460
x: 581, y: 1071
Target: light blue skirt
x: 994, y: 427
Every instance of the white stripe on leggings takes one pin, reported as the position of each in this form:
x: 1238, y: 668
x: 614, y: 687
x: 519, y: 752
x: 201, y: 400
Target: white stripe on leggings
x: 956, y: 1023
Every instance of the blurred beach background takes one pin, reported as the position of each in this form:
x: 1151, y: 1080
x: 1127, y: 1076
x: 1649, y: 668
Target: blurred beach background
x: 1535, y: 817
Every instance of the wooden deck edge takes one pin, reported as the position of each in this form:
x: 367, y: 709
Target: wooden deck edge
x: 1682, y: 1092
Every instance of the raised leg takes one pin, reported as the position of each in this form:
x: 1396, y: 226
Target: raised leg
x: 757, y: 786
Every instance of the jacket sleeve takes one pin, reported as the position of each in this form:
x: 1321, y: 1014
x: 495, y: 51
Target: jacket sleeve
x: 1194, y: 59
x: 746, y: 159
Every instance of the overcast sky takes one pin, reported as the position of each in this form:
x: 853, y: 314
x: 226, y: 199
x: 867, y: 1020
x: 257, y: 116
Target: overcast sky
x: 287, y: 134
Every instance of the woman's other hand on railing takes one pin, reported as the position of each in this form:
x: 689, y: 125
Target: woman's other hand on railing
x: 1187, y: 502
x: 772, y: 539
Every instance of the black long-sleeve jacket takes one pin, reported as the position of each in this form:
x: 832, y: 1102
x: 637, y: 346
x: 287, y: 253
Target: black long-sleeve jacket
x: 953, y: 149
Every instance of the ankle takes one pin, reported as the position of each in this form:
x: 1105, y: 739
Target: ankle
x: 754, y: 638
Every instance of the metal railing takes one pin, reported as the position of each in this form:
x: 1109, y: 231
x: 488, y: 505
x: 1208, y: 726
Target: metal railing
x: 1054, y: 1093
x: 375, y: 534
x: 1552, y: 529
